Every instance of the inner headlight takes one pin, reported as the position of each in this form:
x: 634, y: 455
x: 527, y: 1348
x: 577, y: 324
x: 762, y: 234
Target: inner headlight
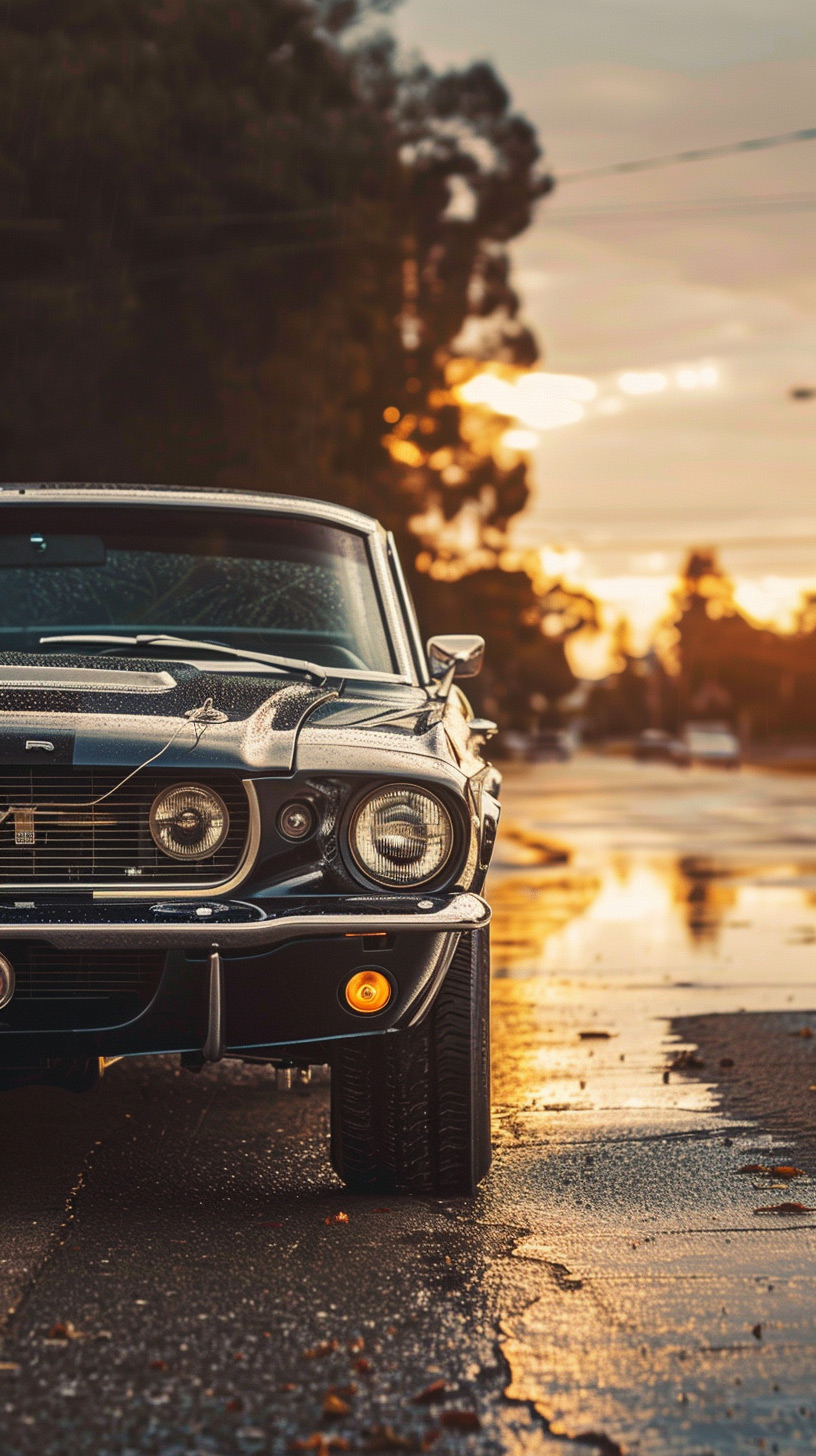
x: 188, y: 821
x: 401, y: 836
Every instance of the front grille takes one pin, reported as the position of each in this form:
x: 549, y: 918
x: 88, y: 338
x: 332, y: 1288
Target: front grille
x: 44, y: 974
x: 75, y: 840
x: 66, y: 990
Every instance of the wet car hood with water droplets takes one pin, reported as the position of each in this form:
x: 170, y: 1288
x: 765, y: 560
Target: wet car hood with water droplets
x: 123, y: 711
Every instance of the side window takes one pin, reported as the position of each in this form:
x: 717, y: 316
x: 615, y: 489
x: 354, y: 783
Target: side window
x: 409, y: 615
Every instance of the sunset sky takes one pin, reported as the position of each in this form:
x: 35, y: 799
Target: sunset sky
x: 727, y: 280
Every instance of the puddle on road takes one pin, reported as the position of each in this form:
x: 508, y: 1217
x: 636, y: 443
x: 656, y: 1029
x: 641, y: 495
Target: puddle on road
x: 630, y: 945
x: 680, y: 913
x: 630, y: 1178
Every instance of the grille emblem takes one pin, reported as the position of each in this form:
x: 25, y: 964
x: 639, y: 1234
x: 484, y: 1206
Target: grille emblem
x: 24, y: 831
x: 39, y: 743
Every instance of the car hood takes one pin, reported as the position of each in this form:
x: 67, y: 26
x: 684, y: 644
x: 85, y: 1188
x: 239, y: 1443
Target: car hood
x: 66, y: 708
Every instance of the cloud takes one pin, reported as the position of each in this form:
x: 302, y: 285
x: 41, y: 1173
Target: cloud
x: 639, y: 294
x: 613, y: 80
x: 692, y: 35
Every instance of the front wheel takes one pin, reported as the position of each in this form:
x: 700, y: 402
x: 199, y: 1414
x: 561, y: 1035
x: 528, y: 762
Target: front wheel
x: 410, y: 1111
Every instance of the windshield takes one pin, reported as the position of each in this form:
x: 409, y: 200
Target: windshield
x: 256, y: 581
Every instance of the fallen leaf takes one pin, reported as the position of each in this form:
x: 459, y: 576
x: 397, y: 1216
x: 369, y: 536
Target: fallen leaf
x: 757, y: 1332
x: 8, y: 1365
x: 385, y: 1438
x: 287, y: 1386
x: 595, y: 1035
x: 158, y: 1364
x: 460, y: 1420
x: 781, y: 1170
x: 234, y: 1405
x: 64, y: 1330
x: 325, y: 1347
x: 432, y: 1392
x: 805, y: 1032
x: 338, y: 1218
x: 333, y: 1406
x: 356, y: 1346
x: 319, y: 1443
x: 363, y: 1366
x: 785, y: 1208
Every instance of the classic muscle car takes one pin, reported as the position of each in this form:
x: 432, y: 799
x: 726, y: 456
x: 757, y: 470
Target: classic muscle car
x: 243, y: 814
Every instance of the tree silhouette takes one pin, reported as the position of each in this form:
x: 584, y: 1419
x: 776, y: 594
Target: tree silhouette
x: 241, y: 247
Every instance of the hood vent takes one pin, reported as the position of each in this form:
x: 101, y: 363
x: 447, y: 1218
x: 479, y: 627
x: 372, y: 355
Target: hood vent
x: 84, y: 680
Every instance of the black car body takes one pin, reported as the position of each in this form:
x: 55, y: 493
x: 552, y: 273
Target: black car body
x: 230, y: 785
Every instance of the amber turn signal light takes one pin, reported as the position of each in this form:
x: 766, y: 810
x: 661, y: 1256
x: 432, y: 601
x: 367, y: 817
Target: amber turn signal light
x: 368, y: 991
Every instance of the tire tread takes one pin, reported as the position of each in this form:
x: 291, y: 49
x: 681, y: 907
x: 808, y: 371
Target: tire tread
x: 411, y: 1111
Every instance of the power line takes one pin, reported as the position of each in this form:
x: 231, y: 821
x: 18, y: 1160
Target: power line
x: 784, y: 202
x: 698, y: 154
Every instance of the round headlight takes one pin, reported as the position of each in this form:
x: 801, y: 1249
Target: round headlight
x: 401, y: 836
x: 189, y: 821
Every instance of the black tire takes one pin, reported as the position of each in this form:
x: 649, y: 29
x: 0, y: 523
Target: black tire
x: 410, y: 1112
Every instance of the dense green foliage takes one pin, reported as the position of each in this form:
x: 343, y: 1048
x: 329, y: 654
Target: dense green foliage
x: 206, y: 208
x: 234, y: 233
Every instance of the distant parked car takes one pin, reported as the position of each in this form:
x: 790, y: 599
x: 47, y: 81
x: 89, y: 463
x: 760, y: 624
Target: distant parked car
x: 655, y: 745
x: 512, y: 744
x: 713, y: 743
x: 553, y: 745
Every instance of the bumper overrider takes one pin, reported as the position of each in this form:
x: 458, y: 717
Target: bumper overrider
x: 217, y: 977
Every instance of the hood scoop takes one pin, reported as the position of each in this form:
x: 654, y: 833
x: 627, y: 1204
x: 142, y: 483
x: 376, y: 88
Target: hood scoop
x: 84, y: 680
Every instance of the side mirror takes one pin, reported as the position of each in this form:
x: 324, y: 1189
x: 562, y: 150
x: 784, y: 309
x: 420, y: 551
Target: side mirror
x: 459, y: 656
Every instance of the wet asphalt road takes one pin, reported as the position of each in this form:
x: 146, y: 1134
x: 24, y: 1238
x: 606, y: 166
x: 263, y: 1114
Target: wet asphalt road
x: 176, y: 1277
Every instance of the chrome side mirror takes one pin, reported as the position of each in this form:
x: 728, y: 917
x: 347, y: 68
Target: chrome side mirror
x: 463, y: 655
x: 483, y: 728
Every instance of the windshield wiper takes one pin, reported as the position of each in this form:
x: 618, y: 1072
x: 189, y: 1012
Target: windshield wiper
x: 161, y: 640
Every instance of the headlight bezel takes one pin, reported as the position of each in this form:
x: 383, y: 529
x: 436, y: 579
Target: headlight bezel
x: 454, y: 812
x: 184, y: 856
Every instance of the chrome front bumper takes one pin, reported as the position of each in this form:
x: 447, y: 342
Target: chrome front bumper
x: 233, y: 924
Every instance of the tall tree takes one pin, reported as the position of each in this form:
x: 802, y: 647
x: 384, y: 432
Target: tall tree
x: 211, y: 211
x: 241, y: 246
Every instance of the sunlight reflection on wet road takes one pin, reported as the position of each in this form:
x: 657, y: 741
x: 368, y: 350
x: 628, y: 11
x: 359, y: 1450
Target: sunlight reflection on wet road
x: 654, y: 1305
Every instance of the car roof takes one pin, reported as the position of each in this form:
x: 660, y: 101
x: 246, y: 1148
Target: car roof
x: 114, y: 493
